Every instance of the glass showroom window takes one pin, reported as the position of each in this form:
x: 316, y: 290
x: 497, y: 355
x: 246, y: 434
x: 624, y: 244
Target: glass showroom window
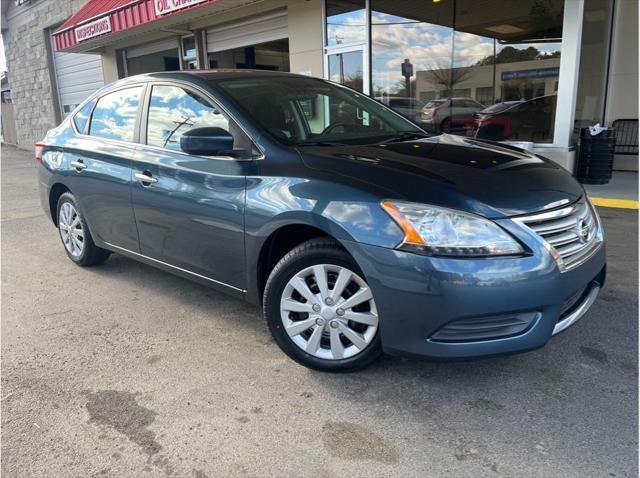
x: 346, y: 22
x: 488, y: 69
x: 411, y: 42
x: 594, y: 55
x: 513, y: 48
x: 346, y: 59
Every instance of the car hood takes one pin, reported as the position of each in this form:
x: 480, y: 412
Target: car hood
x: 483, y: 177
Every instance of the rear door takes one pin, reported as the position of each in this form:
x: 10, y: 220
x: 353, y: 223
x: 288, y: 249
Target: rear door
x: 190, y: 214
x: 101, y: 158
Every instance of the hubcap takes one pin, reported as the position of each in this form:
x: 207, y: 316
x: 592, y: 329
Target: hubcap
x: 70, y: 228
x: 329, y: 312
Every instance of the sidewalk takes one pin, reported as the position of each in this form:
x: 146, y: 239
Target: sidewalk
x: 621, y: 192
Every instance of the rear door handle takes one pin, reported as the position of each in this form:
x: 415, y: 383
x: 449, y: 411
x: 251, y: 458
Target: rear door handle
x: 78, y: 165
x: 145, y: 178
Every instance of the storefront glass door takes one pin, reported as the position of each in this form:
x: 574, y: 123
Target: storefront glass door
x: 347, y: 68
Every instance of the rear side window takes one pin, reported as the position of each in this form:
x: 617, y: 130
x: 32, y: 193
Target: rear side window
x: 173, y: 111
x: 114, y: 116
x: 81, y: 118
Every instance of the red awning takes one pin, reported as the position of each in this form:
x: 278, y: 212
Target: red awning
x: 102, y: 18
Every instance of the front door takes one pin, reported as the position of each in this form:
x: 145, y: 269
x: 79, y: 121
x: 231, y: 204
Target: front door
x: 189, y: 209
x: 347, y: 66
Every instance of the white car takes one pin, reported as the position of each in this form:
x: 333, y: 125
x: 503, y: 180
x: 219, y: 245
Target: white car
x: 450, y: 114
x: 410, y: 108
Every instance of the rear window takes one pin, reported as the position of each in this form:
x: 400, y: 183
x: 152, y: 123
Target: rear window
x: 114, y: 116
x: 434, y: 103
x: 82, y: 116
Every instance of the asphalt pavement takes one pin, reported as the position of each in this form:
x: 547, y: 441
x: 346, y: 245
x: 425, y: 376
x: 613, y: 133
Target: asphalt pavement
x: 123, y: 370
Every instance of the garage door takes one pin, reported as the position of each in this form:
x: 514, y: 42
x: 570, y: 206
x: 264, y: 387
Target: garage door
x: 253, y: 31
x: 77, y: 75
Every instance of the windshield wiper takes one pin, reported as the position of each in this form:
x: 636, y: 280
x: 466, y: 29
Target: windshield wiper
x: 405, y: 135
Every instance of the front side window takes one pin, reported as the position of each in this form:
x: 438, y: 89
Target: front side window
x: 309, y: 111
x: 173, y: 111
x: 114, y: 116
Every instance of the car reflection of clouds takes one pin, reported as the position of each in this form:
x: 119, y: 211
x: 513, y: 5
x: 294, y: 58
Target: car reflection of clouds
x: 115, y: 116
x: 276, y: 196
x: 168, y: 112
x: 121, y: 128
x: 486, y: 272
x: 358, y: 215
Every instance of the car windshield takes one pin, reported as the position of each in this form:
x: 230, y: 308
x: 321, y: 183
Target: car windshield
x: 434, y: 103
x: 307, y: 111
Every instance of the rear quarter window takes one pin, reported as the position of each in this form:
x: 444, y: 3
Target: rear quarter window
x: 81, y: 118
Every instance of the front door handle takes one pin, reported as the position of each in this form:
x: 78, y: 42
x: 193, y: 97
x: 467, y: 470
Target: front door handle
x: 78, y: 165
x: 145, y: 179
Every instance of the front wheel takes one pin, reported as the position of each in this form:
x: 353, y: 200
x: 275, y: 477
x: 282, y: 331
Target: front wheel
x: 320, y: 310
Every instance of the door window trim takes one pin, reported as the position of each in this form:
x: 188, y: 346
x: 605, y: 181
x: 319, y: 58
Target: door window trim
x: 144, y: 118
x: 95, y: 99
x: 136, y: 124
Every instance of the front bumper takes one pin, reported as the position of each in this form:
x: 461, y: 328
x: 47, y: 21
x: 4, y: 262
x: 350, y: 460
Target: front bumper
x: 422, y: 300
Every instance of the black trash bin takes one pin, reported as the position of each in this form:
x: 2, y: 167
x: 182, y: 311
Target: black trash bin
x: 595, y: 156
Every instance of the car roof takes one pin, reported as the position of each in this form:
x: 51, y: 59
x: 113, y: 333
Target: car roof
x: 208, y: 75
x: 195, y: 76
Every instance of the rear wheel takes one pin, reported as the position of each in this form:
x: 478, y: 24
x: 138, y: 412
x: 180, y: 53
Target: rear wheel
x: 75, y: 235
x: 320, y: 309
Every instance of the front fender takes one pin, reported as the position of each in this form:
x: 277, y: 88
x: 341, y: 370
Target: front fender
x: 343, y: 212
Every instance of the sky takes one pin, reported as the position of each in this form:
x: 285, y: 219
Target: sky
x: 427, y: 46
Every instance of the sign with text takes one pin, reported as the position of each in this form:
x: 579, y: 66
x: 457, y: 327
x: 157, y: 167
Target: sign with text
x: 535, y: 73
x: 93, y: 29
x: 167, y: 6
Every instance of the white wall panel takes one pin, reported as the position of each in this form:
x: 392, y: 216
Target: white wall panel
x: 253, y: 31
x: 78, y: 75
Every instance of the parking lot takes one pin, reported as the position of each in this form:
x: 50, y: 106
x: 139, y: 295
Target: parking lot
x: 124, y: 370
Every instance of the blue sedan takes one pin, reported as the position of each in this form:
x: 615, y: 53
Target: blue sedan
x: 356, y: 231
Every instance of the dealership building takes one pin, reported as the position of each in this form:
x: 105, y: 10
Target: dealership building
x: 563, y: 64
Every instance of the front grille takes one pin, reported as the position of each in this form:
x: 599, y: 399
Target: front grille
x: 571, y: 231
x: 485, y: 328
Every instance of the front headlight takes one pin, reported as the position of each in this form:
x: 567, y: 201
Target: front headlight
x: 594, y: 211
x: 446, y: 232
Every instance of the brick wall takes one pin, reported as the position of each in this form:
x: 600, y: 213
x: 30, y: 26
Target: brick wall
x: 24, y: 34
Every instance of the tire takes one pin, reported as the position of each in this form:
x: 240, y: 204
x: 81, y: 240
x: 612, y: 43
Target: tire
x: 338, y: 339
x: 75, y: 235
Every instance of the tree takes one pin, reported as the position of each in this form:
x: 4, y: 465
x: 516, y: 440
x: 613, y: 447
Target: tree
x: 510, y: 54
x: 448, y: 77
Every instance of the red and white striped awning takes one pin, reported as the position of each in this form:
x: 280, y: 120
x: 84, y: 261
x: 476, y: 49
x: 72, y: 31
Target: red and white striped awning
x: 100, y: 19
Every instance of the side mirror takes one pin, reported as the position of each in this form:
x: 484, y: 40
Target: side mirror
x: 211, y: 141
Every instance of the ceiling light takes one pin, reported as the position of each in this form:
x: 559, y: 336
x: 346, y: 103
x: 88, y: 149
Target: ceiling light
x: 504, y: 29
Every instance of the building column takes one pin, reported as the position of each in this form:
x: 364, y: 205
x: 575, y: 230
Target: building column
x: 200, y: 36
x: 569, y: 67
